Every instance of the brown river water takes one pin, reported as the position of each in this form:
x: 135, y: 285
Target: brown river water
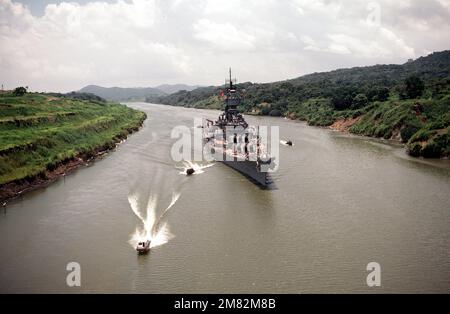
x: 339, y: 203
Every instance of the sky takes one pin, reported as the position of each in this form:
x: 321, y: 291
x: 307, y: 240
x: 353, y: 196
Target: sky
x: 64, y: 45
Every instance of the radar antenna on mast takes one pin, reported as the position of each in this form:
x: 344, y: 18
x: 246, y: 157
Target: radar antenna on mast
x: 230, y: 81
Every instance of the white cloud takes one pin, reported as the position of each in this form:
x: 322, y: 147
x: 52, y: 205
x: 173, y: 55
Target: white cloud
x: 225, y: 36
x: 148, y: 42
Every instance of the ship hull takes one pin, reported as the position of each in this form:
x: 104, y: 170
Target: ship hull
x: 249, y: 168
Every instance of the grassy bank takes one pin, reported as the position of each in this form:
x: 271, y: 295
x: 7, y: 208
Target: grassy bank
x: 40, y: 133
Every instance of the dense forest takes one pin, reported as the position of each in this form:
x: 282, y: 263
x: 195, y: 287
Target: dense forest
x: 408, y: 102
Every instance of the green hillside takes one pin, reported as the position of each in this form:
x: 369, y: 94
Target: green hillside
x: 39, y: 133
x: 408, y: 102
x: 121, y: 93
x: 134, y: 93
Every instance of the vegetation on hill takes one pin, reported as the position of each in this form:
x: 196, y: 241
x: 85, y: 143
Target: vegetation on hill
x: 121, y: 93
x: 79, y: 96
x: 41, y: 132
x: 173, y: 88
x: 409, y: 102
x: 134, y: 93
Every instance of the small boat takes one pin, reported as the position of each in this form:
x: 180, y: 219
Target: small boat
x: 143, y: 247
x: 190, y: 171
x: 289, y: 142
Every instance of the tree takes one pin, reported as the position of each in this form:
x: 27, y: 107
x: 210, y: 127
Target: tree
x: 342, y: 97
x: 341, y: 101
x: 383, y: 94
x: 414, y: 87
x: 359, y: 101
x: 378, y: 94
x: 20, y: 91
x: 287, y: 85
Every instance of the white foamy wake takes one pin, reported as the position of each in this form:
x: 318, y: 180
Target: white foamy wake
x: 197, y: 167
x: 155, y: 230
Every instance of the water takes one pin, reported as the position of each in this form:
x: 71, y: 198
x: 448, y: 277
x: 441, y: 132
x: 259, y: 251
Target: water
x: 340, y: 202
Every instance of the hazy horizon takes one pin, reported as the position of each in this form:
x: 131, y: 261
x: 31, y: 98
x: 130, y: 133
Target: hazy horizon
x: 61, y: 46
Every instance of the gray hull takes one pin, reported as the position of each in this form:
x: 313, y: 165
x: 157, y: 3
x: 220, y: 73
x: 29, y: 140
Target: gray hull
x: 249, y: 169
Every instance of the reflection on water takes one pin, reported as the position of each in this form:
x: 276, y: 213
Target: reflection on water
x: 340, y: 203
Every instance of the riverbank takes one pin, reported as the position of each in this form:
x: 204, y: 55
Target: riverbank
x: 422, y: 125
x: 44, y: 137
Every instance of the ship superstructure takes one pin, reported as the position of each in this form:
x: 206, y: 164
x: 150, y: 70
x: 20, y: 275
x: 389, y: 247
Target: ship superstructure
x: 235, y: 143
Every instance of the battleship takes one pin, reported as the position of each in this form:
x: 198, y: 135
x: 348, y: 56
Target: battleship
x: 232, y: 141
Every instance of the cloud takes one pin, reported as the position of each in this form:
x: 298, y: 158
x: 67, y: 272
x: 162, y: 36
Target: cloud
x: 149, y: 42
x: 224, y: 36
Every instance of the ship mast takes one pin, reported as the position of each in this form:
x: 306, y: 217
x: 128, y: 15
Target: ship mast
x: 229, y: 82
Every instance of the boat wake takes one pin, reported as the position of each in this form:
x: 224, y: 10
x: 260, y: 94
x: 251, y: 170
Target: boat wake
x: 153, y: 228
x: 198, y: 168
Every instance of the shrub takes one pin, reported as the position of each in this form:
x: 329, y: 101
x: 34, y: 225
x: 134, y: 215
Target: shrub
x: 422, y: 135
x: 415, y: 150
x: 431, y: 150
x: 275, y: 113
x: 383, y: 130
x: 407, y: 132
x: 265, y: 111
x: 19, y: 91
